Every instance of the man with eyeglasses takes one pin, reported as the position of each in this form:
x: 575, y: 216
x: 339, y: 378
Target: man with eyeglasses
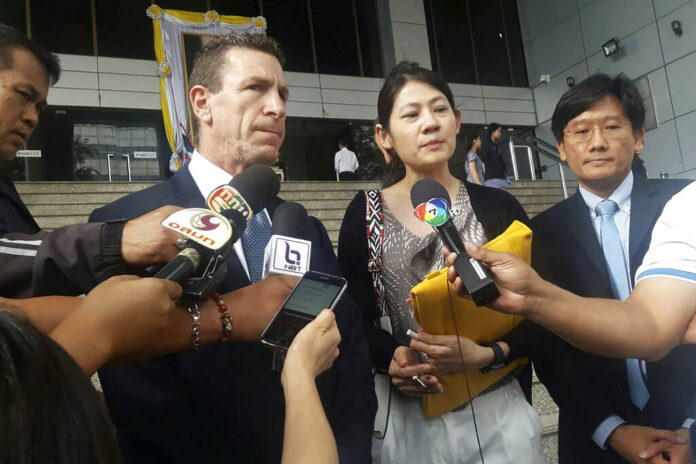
x: 591, y: 244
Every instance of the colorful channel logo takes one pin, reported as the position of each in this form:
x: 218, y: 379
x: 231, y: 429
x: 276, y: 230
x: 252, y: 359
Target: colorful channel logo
x: 434, y: 212
x: 205, y: 221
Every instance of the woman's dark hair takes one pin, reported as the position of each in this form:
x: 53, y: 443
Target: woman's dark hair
x: 469, y: 138
x: 398, y: 77
x: 587, y: 93
x: 49, y: 410
x: 492, y: 127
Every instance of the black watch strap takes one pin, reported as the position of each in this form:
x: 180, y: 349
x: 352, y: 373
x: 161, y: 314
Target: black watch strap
x: 498, y: 358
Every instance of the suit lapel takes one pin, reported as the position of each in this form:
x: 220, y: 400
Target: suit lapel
x: 579, y: 226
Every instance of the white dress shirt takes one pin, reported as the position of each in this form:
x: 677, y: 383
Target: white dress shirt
x: 345, y: 160
x: 208, y: 177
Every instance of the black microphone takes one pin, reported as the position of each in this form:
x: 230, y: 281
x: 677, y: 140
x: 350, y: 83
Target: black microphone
x: 431, y: 204
x: 249, y: 192
x: 289, y: 249
x: 182, y: 266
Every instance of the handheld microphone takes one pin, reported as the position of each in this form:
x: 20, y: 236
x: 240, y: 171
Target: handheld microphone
x: 249, y: 192
x: 289, y: 250
x: 210, y: 237
x: 431, y: 204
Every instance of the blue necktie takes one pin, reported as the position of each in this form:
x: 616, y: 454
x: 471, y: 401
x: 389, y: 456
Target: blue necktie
x: 254, y: 240
x: 618, y: 273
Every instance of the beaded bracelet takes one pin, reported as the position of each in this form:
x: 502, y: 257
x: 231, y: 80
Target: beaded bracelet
x: 225, y: 317
x: 196, y: 316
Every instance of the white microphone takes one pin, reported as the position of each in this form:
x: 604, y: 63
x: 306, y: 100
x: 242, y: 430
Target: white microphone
x: 210, y: 230
x: 288, y: 251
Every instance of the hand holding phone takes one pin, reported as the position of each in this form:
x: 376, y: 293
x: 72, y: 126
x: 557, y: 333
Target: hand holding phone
x: 313, y: 293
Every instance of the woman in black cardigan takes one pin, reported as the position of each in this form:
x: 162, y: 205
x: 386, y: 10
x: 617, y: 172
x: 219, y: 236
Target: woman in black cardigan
x: 417, y: 136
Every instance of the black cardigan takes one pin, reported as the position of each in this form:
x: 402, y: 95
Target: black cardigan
x: 496, y: 209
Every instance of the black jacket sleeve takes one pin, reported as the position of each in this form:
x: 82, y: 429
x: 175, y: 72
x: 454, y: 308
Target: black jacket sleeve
x: 67, y: 261
x: 353, y: 256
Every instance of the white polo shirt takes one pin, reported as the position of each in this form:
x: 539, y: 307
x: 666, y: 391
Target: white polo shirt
x: 672, y: 251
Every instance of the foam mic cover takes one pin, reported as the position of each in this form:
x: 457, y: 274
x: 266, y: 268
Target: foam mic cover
x: 431, y: 204
x: 289, y: 249
x: 249, y: 192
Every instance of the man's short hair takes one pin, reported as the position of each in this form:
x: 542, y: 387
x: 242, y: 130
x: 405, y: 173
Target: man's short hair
x: 587, y: 93
x: 343, y: 141
x: 11, y: 38
x: 208, y: 64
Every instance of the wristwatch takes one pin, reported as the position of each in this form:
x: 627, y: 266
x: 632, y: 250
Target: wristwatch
x: 498, y: 358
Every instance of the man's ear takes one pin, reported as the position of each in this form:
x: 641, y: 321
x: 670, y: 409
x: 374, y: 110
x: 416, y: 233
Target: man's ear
x: 639, y: 139
x: 384, y: 142
x: 458, y: 117
x: 200, y: 103
x: 561, y: 150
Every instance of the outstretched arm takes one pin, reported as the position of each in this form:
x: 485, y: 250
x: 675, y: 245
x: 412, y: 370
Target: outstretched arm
x: 651, y: 322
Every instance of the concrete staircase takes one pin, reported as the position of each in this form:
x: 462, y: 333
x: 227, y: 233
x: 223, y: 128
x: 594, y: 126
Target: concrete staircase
x: 56, y: 204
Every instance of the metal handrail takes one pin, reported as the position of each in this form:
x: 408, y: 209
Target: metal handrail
x: 529, y: 144
x: 551, y: 149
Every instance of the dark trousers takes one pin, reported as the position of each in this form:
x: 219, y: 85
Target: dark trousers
x: 346, y: 175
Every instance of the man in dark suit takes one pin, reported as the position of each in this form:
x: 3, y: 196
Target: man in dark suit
x: 591, y: 244
x: 223, y: 403
x: 72, y: 259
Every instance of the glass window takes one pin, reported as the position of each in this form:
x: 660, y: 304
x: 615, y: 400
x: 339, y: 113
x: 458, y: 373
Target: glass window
x: 63, y: 26
x: 370, y: 47
x: 288, y: 22
x: 334, y: 37
x: 489, y: 40
x: 490, y: 27
x: 124, y: 30
x: 13, y: 14
x: 236, y: 7
x: 514, y: 37
x: 447, y: 23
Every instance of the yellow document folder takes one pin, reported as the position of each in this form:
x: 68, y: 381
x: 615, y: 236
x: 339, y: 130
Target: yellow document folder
x: 432, y: 301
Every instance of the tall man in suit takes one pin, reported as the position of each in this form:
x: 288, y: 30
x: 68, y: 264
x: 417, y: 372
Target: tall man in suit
x: 591, y: 244
x: 223, y: 403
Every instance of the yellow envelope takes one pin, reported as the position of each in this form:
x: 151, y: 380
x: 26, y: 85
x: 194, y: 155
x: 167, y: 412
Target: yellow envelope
x: 433, y: 302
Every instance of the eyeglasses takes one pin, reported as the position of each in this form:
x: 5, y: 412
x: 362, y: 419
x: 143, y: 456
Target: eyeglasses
x: 611, y: 131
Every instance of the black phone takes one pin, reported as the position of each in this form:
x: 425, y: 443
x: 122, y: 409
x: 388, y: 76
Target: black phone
x: 314, y: 292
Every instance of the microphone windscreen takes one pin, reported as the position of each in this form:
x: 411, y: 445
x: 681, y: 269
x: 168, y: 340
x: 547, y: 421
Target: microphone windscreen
x: 258, y: 184
x: 237, y: 221
x: 290, y: 219
x: 428, y: 189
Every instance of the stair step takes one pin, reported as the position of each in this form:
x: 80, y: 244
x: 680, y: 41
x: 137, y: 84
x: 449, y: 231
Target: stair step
x: 81, y: 187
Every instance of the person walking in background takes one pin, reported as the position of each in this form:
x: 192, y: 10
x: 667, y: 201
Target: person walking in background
x: 474, y: 166
x: 493, y: 159
x: 345, y: 161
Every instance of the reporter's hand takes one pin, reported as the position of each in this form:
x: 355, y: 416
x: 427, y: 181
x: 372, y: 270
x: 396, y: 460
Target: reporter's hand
x: 145, y: 241
x: 133, y: 312
x: 314, y: 348
x: 629, y: 440
x: 252, y: 307
x: 679, y: 453
x: 120, y: 317
x: 404, y: 365
x: 443, y: 352
x: 516, y: 281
